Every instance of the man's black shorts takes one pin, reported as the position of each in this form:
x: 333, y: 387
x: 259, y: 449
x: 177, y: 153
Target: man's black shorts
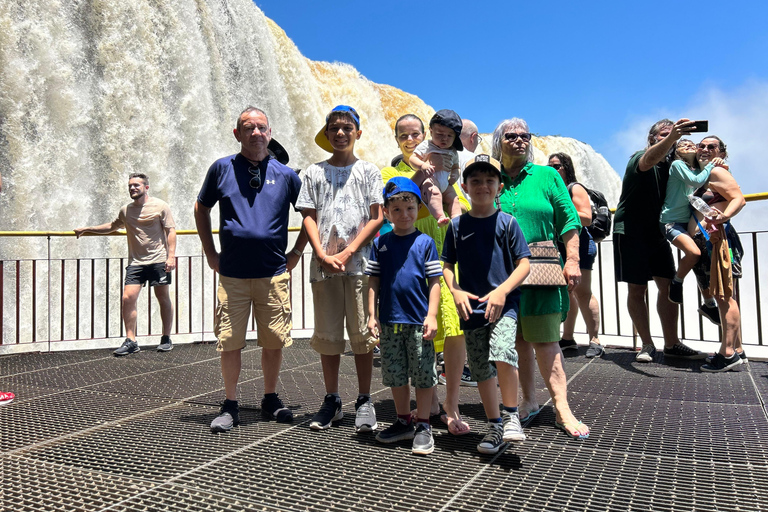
x: 154, y: 273
x: 637, y: 260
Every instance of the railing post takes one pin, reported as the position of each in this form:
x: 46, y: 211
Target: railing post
x: 2, y: 312
x: 757, y: 290
x: 49, y: 292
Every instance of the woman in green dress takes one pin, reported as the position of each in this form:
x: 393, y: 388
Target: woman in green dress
x: 537, y: 197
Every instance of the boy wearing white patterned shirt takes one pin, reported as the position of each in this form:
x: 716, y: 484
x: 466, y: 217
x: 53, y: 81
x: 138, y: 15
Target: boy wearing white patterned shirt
x: 340, y: 200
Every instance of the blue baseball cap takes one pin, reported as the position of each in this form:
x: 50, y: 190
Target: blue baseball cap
x: 321, y: 140
x: 402, y: 184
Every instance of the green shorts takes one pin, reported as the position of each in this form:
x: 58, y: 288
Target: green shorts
x: 405, y: 353
x: 495, y: 342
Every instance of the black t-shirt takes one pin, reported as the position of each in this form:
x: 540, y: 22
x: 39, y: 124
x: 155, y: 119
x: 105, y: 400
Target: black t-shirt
x: 642, y: 196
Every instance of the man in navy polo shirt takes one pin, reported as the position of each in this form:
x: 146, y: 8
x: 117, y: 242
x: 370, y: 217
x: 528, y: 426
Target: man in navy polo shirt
x: 254, y: 192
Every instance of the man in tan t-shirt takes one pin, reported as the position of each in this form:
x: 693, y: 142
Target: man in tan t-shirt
x: 151, y: 252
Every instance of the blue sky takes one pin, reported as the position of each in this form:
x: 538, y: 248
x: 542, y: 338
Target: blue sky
x: 600, y: 72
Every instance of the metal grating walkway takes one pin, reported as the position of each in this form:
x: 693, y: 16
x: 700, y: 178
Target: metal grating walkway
x: 91, y: 432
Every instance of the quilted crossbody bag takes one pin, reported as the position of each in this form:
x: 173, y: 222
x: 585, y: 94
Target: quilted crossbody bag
x: 544, y: 260
x: 545, y: 266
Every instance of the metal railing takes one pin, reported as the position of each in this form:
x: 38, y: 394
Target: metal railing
x: 60, y: 300
x: 65, y: 300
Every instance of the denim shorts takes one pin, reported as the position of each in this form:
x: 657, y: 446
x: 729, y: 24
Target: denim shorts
x: 672, y: 230
x: 587, y: 250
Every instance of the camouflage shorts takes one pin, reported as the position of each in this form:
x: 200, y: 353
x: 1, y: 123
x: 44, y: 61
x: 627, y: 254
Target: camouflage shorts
x: 405, y: 353
x: 495, y: 342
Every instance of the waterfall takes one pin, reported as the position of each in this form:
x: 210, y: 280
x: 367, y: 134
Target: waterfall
x: 92, y: 90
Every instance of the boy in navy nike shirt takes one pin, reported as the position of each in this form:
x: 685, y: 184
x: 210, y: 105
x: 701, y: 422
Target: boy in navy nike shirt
x: 492, y: 255
x: 404, y: 281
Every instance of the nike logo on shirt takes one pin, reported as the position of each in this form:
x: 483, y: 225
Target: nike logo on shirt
x: 464, y: 237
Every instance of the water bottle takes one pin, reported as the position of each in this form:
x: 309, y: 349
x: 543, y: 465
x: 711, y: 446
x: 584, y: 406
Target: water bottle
x: 702, y: 206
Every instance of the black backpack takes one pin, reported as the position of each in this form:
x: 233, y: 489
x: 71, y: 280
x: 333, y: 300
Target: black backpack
x: 601, y: 214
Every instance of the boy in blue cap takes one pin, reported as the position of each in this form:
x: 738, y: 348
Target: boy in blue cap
x: 436, y: 162
x: 492, y: 257
x: 404, y: 281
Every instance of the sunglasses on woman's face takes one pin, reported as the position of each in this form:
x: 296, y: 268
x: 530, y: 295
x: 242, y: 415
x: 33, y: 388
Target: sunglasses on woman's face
x: 511, y: 137
x: 710, y: 147
x: 557, y: 167
x: 255, y: 182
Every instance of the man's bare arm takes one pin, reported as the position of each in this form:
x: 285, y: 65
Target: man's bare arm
x: 170, y: 261
x: 658, y: 151
x: 101, y: 229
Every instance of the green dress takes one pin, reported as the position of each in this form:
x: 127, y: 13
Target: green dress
x: 539, y: 200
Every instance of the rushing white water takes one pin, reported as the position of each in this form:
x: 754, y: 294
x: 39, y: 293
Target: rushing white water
x: 92, y: 90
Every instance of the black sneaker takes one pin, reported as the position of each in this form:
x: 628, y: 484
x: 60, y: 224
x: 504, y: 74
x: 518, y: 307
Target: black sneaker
x: 128, y: 347
x: 595, y: 350
x: 466, y: 379
x: 493, y: 440
x: 329, y: 412
x: 165, y: 344
x: 423, y: 442
x: 272, y: 407
x: 711, y: 313
x: 228, y: 417
x: 720, y: 363
x: 681, y: 351
x: 676, y: 292
x: 568, y: 345
x: 439, y: 360
x: 742, y: 356
x: 397, y: 431
x: 376, y: 350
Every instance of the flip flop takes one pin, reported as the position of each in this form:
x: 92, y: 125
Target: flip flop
x: 576, y: 435
x: 531, y: 415
x: 452, y: 429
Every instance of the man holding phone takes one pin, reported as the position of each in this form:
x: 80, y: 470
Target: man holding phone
x: 640, y: 251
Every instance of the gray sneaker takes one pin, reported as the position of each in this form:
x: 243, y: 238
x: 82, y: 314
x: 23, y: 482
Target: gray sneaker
x: 128, y: 347
x: 165, y: 344
x: 423, y: 442
x: 513, y: 431
x: 646, y: 354
x: 228, y: 417
x: 365, y: 417
x: 594, y: 350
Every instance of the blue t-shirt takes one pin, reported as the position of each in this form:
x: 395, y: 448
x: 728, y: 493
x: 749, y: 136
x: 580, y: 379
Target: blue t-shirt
x: 486, y: 250
x: 253, y: 224
x: 403, y: 264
